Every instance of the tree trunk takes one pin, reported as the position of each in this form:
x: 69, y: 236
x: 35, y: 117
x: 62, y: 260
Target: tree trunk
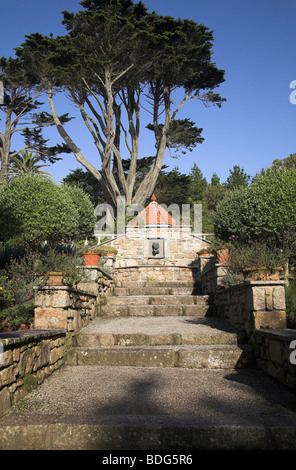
x: 5, y: 151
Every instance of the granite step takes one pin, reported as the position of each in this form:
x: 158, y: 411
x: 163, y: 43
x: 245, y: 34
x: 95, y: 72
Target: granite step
x: 156, y: 331
x: 159, y: 342
x: 153, y: 310
x: 190, y: 356
x: 164, y: 299
x: 134, y: 288
x: 156, y: 290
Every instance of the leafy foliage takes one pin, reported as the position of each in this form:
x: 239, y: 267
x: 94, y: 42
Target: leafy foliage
x: 26, y: 163
x: 264, y: 210
x: 33, y: 209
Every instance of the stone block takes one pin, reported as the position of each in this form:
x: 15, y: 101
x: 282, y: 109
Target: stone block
x: 270, y: 319
x: 258, y: 294
x: 57, y: 299
x: 26, y: 362
x: 279, y: 298
x: 8, y: 375
x: 4, y: 400
x: 56, y: 354
x: 46, y: 318
x: 275, y: 351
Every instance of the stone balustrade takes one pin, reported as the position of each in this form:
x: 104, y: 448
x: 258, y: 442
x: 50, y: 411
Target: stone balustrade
x: 257, y: 309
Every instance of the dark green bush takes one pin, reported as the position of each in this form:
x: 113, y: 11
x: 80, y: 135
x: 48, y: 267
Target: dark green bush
x: 266, y: 210
x: 34, y: 209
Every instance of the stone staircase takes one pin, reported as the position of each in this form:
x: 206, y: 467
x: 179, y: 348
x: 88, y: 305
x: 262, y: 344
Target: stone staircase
x: 154, y: 372
x: 158, y: 325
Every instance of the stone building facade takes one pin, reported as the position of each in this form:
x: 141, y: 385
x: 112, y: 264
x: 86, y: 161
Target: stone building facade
x: 157, y: 247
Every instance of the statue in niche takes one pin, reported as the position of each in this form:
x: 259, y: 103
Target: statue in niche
x: 155, y: 248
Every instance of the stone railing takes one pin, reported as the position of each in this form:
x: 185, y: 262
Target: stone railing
x: 72, y: 308
x: 275, y: 354
x: 257, y: 309
x: 211, y: 274
x: 26, y: 358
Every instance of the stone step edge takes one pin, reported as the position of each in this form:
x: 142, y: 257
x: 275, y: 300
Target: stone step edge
x: 154, y: 310
x: 192, y: 357
x: 156, y: 284
x: 150, y: 298
x: 159, y: 433
x: 118, y: 291
x: 157, y: 339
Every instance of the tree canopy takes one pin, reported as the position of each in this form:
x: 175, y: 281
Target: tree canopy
x: 20, y: 114
x: 116, y: 60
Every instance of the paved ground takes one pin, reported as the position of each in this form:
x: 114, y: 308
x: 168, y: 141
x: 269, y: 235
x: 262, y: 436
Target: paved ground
x: 97, y: 407
x: 252, y: 408
x: 158, y: 325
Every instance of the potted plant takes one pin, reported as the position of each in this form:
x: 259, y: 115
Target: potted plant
x: 257, y: 261
x: 106, y: 250
x: 91, y: 257
x: 222, y: 252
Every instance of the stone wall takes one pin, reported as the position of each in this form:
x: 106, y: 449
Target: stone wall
x: 211, y: 275
x: 272, y: 349
x: 26, y: 358
x: 63, y: 307
x: 155, y: 272
x: 179, y: 260
x: 252, y: 305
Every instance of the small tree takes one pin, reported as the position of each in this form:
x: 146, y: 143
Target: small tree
x: 198, y: 185
x: 237, y: 178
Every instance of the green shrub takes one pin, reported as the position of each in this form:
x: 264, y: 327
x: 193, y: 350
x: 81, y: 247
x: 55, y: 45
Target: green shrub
x: 243, y: 256
x: 17, y: 315
x: 266, y: 210
x: 34, y: 209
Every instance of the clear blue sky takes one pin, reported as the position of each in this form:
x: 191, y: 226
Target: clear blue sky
x: 254, y: 42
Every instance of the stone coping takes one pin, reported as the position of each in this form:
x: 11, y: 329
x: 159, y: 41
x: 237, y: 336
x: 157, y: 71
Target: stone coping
x: 246, y: 284
x: 157, y: 266
x: 21, y: 337
x: 67, y: 288
x: 279, y: 334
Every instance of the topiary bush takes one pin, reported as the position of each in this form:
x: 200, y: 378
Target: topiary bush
x: 34, y: 209
x: 266, y: 210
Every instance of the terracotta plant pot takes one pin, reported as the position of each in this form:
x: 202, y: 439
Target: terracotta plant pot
x: 91, y: 259
x: 55, y: 278
x: 223, y: 255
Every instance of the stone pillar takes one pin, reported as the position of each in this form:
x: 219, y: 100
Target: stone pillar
x: 63, y: 307
x: 268, y: 302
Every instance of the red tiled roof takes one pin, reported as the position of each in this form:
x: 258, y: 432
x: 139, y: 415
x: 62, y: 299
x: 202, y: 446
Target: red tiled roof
x: 153, y: 214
